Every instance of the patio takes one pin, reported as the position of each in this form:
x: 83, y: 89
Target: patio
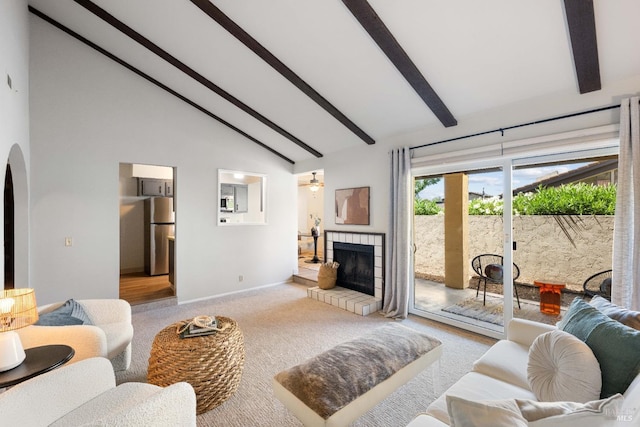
x: 434, y: 297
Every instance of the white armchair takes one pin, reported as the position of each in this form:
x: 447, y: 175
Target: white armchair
x: 85, y: 393
x: 110, y: 335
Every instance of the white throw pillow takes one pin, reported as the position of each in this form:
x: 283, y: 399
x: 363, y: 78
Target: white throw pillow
x: 563, y: 368
x: 599, y: 413
x: 488, y: 413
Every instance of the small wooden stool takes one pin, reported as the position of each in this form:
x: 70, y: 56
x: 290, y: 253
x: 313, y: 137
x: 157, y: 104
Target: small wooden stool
x: 212, y: 364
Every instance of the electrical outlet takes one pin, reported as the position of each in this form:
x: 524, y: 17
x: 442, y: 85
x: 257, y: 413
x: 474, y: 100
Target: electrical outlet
x: 240, y: 278
x: 68, y: 241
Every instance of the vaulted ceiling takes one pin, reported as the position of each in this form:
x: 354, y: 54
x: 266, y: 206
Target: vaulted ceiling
x: 307, y: 78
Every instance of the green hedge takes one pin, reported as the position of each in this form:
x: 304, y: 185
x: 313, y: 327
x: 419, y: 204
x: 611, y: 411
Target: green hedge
x: 569, y: 199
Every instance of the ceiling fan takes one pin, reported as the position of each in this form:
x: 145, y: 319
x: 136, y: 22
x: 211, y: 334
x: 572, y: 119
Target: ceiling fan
x: 314, y: 183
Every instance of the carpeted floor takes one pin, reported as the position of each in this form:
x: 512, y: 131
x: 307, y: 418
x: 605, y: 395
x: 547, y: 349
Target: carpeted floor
x: 282, y: 327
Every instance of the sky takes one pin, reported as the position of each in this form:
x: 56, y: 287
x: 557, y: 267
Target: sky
x: 491, y: 182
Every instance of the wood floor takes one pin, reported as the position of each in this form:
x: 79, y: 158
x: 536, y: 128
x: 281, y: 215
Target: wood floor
x: 138, y: 288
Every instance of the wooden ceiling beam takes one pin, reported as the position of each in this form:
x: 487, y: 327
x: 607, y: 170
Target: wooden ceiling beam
x: 150, y: 79
x: 581, y: 22
x: 235, y: 30
x: 134, y: 35
x: 371, y: 22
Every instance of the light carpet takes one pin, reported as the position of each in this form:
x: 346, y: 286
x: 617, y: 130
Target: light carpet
x: 492, y: 312
x: 282, y: 328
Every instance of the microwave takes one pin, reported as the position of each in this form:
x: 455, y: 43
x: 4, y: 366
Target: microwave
x: 226, y: 204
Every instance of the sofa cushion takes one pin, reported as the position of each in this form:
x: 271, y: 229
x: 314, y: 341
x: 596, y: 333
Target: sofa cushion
x: 598, y: 413
x: 506, y: 361
x: 526, y: 412
x: 498, y: 413
x: 477, y: 386
x: 625, y: 316
x: 616, y: 346
x: 561, y: 367
x: 69, y: 313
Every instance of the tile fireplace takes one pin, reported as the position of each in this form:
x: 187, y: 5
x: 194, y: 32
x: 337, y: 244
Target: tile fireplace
x: 360, y: 285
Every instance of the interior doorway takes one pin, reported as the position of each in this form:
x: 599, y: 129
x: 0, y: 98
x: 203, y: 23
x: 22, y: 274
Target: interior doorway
x: 147, y: 233
x: 310, y: 217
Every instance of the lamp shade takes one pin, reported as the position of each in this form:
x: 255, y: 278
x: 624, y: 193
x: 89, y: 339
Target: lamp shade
x: 17, y: 309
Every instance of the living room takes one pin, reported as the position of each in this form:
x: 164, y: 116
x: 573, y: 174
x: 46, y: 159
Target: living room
x: 71, y: 116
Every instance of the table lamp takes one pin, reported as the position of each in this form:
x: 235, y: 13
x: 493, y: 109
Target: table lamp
x: 17, y: 310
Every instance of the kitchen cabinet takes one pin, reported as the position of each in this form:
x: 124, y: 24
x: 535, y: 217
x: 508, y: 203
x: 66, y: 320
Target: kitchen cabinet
x: 226, y: 190
x: 168, y: 188
x: 241, y: 198
x: 240, y: 195
x: 155, y: 187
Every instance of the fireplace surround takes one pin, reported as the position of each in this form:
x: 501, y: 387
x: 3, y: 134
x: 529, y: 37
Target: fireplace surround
x: 352, y: 295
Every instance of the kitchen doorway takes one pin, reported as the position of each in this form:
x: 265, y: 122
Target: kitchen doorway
x: 147, y: 233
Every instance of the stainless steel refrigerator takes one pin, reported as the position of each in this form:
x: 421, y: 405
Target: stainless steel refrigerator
x: 159, y: 224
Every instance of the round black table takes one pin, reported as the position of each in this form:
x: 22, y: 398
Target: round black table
x: 38, y: 360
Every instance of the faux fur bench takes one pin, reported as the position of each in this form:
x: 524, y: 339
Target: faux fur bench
x: 336, y: 387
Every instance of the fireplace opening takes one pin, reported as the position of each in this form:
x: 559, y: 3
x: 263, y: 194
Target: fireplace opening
x: 356, y: 269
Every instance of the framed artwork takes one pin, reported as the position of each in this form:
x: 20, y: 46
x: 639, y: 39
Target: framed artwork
x: 352, y: 206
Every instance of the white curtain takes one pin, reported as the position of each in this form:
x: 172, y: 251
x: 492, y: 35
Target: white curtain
x: 399, y: 264
x: 625, y: 289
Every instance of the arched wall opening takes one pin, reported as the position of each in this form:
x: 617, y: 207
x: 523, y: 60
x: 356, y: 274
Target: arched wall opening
x: 17, y: 166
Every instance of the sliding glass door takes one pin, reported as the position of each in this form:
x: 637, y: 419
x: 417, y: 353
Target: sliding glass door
x: 548, y: 217
x: 458, y: 236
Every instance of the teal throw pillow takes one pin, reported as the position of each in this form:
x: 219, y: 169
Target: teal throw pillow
x: 616, y: 346
x: 69, y: 313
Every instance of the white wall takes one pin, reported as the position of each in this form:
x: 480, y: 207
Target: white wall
x: 14, y: 123
x: 88, y: 115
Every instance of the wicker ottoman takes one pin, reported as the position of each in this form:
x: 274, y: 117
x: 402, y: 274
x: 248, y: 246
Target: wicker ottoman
x: 212, y: 364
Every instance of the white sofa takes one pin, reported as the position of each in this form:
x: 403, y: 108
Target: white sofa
x: 110, y: 335
x: 501, y: 373
x: 85, y: 393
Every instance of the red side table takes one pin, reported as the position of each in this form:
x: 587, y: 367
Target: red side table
x: 550, y: 296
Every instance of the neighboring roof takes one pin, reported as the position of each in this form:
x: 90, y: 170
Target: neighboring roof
x: 576, y: 175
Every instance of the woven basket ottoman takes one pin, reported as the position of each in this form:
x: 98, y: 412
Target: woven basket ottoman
x: 212, y: 364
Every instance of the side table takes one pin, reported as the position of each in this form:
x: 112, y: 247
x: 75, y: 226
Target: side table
x: 212, y: 364
x: 38, y: 360
x: 550, y: 296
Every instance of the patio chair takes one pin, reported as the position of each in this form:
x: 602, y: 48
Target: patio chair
x: 598, y: 284
x: 489, y: 268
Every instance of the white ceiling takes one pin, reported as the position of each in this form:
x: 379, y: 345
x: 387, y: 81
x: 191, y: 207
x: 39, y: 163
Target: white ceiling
x: 476, y: 55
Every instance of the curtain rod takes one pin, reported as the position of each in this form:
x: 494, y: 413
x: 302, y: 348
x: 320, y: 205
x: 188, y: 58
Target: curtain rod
x: 501, y: 130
